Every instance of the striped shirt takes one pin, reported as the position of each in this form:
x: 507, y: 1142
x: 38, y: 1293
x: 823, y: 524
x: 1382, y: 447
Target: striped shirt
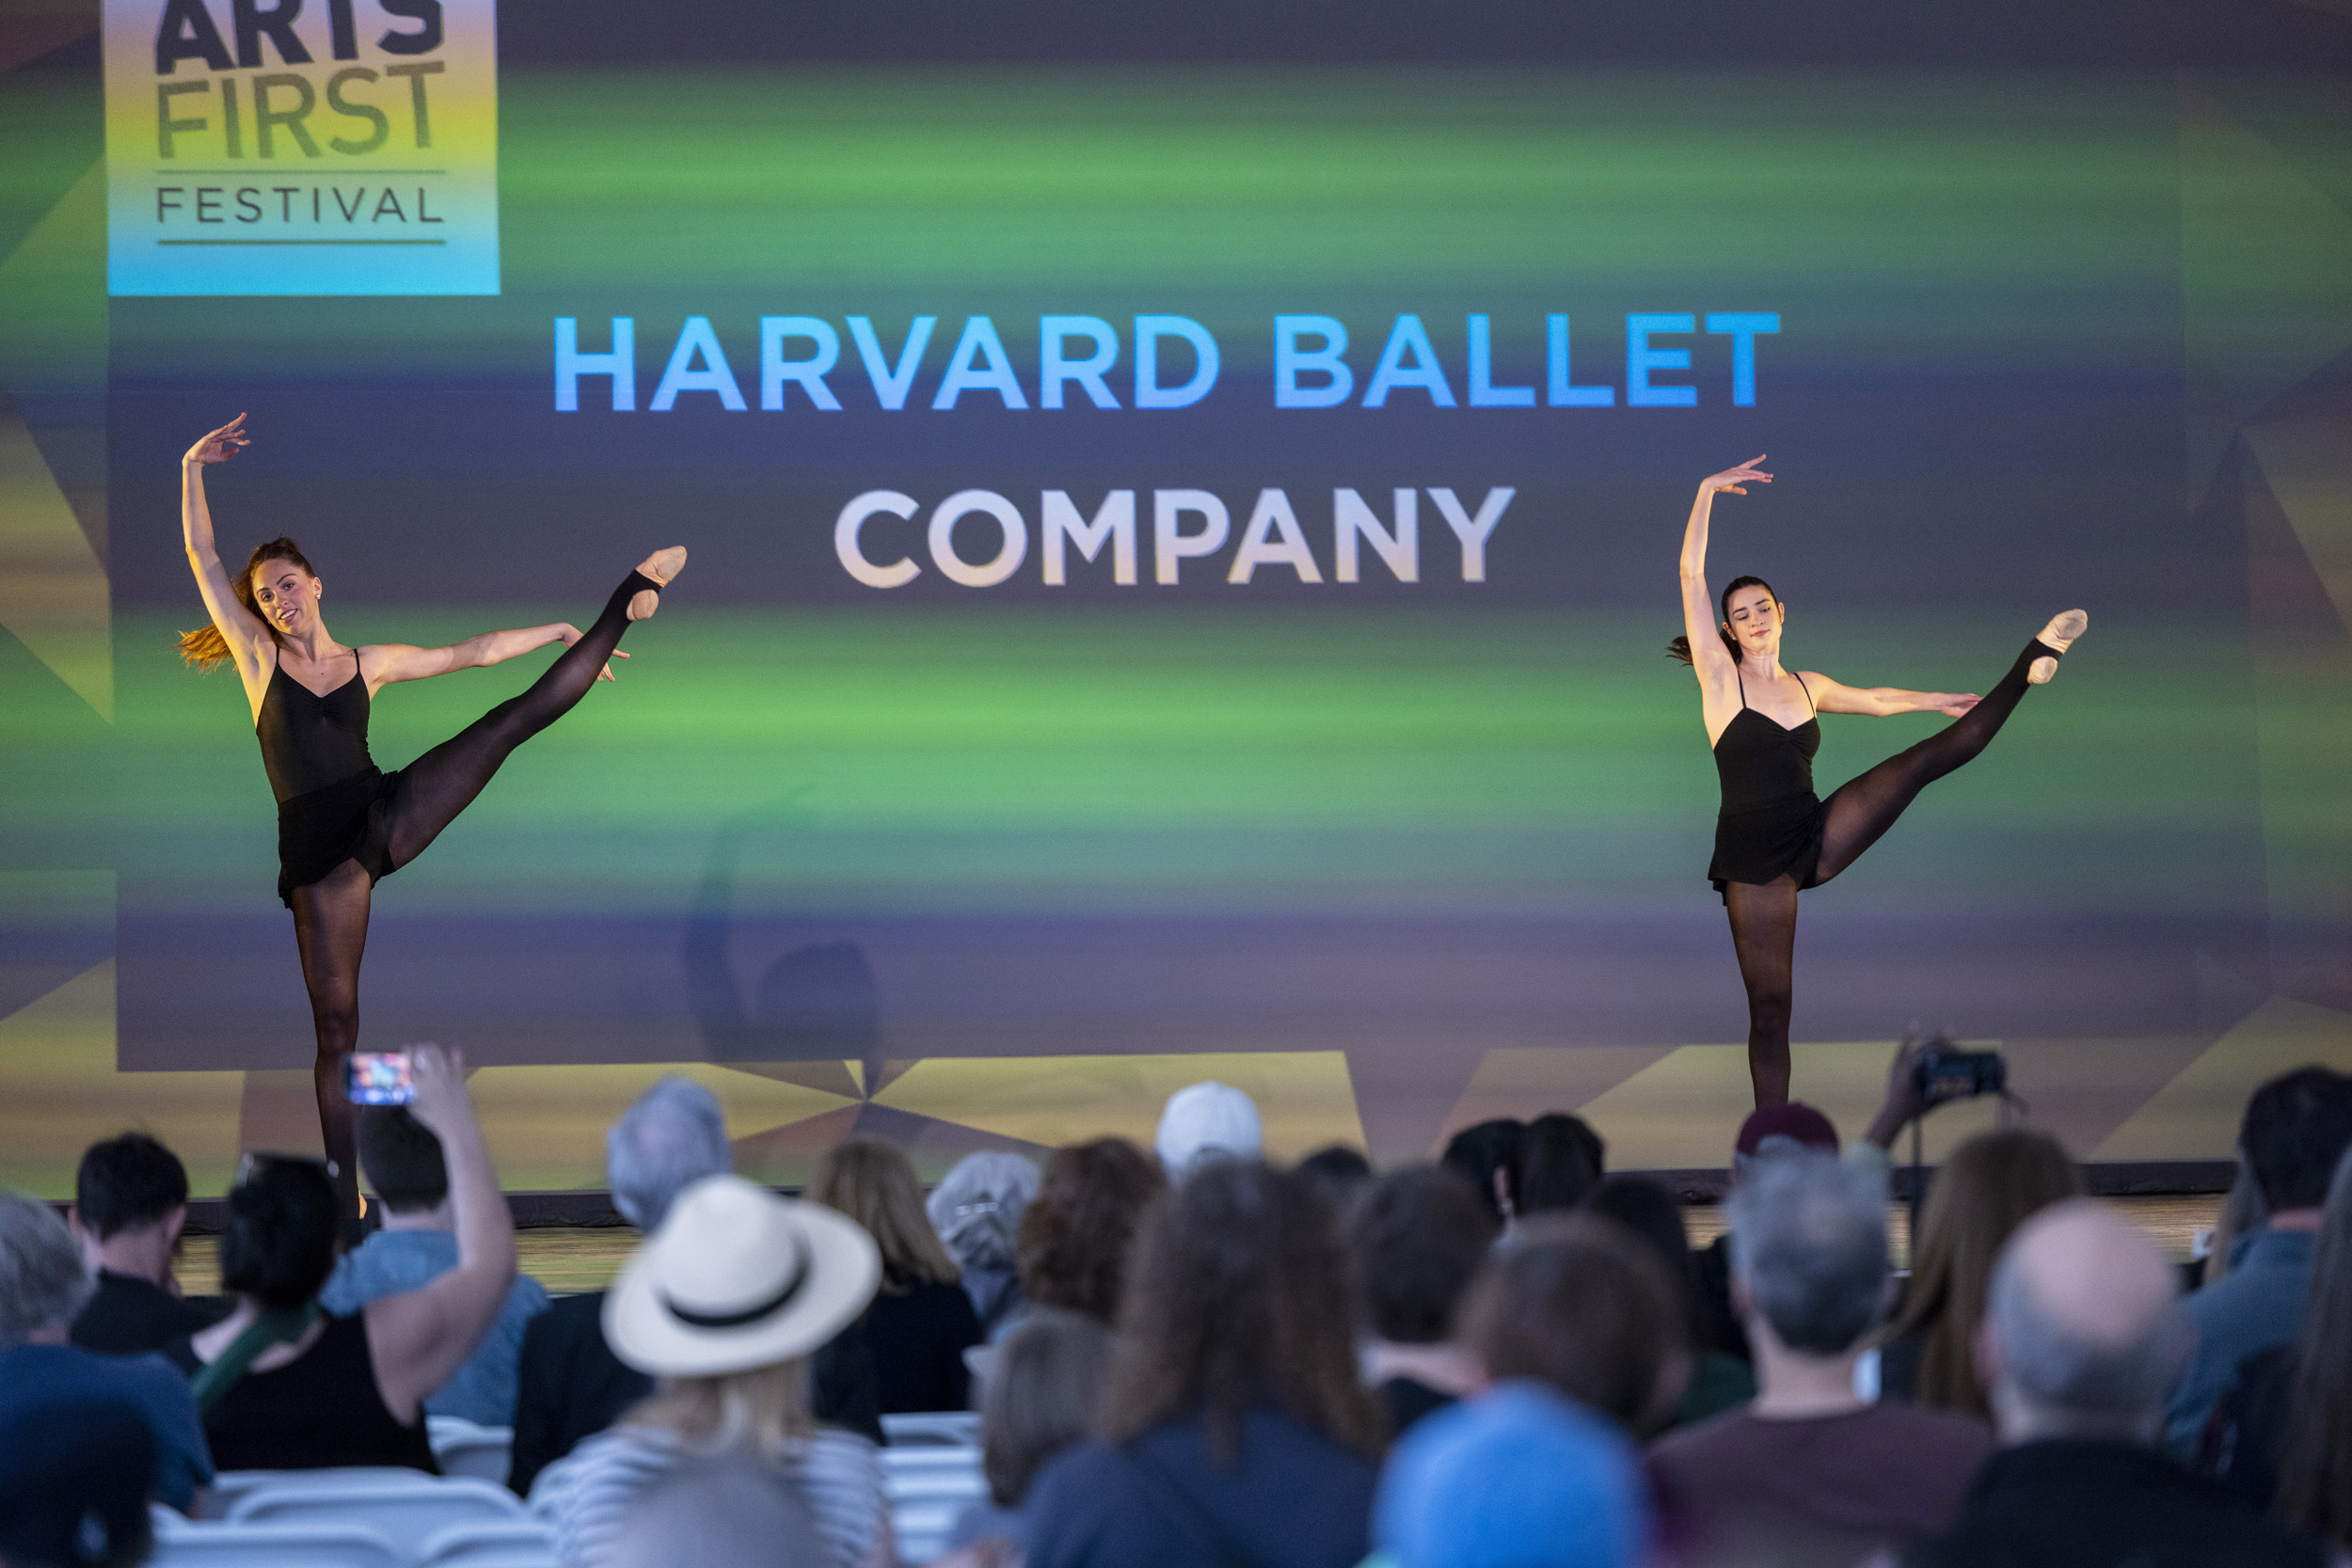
x: 585, y: 1500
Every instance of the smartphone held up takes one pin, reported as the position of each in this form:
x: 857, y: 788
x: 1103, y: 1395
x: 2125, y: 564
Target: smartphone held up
x: 377, y: 1078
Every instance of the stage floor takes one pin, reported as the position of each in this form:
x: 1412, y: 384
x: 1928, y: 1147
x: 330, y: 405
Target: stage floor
x: 571, y: 1259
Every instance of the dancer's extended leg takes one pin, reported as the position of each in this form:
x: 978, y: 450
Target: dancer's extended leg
x: 331, y: 929
x: 1764, y: 933
x: 1864, y: 807
x: 444, y: 781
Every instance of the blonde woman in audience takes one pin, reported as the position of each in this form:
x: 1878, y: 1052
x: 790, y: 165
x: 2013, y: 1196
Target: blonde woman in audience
x: 723, y: 1305
x: 921, y: 1323
x: 1985, y: 1189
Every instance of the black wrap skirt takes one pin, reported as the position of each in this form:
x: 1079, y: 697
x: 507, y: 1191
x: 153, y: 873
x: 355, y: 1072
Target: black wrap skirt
x: 1762, y: 843
x: 348, y: 820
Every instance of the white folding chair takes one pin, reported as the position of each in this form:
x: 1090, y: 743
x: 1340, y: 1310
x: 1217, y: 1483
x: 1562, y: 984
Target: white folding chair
x: 231, y: 1487
x: 929, y: 1487
x: 464, y: 1448
x: 406, y: 1515
x: 303, y: 1546
x: 954, y: 1428
x: 506, y: 1545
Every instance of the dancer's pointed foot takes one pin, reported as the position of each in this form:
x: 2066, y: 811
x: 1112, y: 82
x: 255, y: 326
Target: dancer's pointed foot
x: 663, y: 566
x: 2060, y: 633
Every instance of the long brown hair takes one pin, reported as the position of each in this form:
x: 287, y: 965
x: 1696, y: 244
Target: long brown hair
x: 1680, y: 647
x: 1075, y: 1235
x: 2315, y: 1462
x: 205, y: 647
x: 872, y: 1182
x: 1243, y: 1296
x: 1986, y: 1188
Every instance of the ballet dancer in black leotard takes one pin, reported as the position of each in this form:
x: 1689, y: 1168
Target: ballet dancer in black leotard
x: 1774, y: 835
x: 344, y: 826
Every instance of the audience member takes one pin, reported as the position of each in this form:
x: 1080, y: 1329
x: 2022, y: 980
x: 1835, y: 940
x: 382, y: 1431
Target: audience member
x: 2082, y: 1336
x: 401, y: 1161
x: 1557, y: 1166
x: 1044, y: 1390
x: 73, y: 1486
x: 2241, y: 1214
x: 1419, y: 1236
x: 1341, y: 1170
x: 1809, y: 1473
x: 976, y: 1211
x: 725, y: 1304
x: 1486, y: 1156
x: 728, y: 1510
x: 1204, y: 1122
x: 1769, y: 1129
x: 2295, y: 1128
x: 1985, y: 1189
x: 2298, y: 1396
x: 43, y: 1287
x: 1572, y: 1301
x: 1235, y: 1430
x: 921, y: 1323
x: 570, y: 1386
x: 130, y: 1200
x: 285, y: 1386
x: 1719, y: 1381
x: 1526, y: 1474
x: 1075, y: 1236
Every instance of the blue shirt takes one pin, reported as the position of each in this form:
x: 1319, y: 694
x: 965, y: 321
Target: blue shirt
x: 391, y: 1261
x: 1518, y: 1476
x: 35, y: 1375
x: 1293, y: 1498
x: 2256, y: 1307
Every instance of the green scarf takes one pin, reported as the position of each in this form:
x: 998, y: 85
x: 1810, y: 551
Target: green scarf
x: 283, y: 1326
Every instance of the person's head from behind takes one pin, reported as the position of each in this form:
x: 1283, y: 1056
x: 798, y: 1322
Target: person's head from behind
x: 2296, y: 1127
x: 874, y: 1184
x: 1045, y: 1386
x: 2083, y: 1335
x: 2316, y: 1464
x: 673, y: 1136
x: 1074, y: 1238
x: 402, y: 1160
x: 1809, y: 1263
x: 1419, y: 1236
x: 1789, y: 1126
x: 1341, y: 1170
x: 1572, y: 1301
x: 977, y: 1208
x: 130, y: 1186
x: 1985, y: 1189
x: 73, y: 1486
x: 1653, y: 1216
x: 43, y: 1282
x: 1557, y: 1164
x: 1486, y: 1156
x: 725, y: 1302
x: 1204, y: 1122
x: 278, y: 1245
x: 1242, y: 1295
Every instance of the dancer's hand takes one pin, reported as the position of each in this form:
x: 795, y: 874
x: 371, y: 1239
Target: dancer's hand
x: 221, y: 445
x: 436, y: 1089
x: 1953, y: 702
x: 1732, y: 480
x: 568, y: 634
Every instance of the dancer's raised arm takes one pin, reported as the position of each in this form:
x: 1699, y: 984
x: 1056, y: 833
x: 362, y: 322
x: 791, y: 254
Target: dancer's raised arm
x: 387, y: 662
x: 1702, y: 640
x: 1880, y: 701
x: 243, y: 636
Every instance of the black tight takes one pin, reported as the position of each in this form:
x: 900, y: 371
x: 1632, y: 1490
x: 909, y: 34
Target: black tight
x: 1764, y: 917
x: 331, y: 915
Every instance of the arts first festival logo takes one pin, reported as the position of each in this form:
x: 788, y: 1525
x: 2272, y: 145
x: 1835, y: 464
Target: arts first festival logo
x: 304, y: 147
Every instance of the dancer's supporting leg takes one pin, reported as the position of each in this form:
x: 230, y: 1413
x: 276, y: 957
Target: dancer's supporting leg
x: 1864, y: 807
x: 443, y: 781
x: 1764, y: 932
x: 331, y: 929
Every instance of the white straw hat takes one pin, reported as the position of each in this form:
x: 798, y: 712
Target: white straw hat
x: 738, y: 1278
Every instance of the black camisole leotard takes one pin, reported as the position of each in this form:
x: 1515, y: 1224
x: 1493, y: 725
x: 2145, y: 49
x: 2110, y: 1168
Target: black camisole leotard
x: 333, y: 802
x: 1771, y: 821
